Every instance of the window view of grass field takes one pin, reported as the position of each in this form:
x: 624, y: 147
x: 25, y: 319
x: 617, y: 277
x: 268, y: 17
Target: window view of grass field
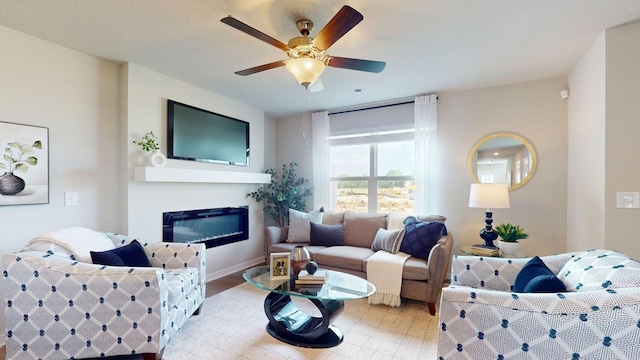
x: 374, y: 177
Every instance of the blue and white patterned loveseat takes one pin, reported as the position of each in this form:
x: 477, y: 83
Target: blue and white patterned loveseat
x: 57, y: 307
x: 597, y: 318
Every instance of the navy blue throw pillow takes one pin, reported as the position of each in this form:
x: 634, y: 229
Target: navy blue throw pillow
x: 421, y: 236
x: 326, y: 235
x: 129, y: 255
x: 535, y: 276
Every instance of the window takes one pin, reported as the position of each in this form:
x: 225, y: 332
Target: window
x: 373, y: 172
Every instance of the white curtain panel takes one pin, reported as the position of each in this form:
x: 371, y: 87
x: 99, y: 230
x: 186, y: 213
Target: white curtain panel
x: 320, y: 142
x: 426, y: 123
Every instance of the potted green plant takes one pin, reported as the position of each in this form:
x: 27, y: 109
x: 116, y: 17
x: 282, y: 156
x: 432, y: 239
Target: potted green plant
x: 509, y: 235
x: 18, y: 158
x: 149, y: 143
x: 283, y: 193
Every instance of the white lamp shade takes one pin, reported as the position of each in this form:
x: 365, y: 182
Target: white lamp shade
x: 305, y: 70
x: 489, y: 196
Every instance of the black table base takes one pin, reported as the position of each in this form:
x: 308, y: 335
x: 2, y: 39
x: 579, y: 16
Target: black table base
x: 293, y: 326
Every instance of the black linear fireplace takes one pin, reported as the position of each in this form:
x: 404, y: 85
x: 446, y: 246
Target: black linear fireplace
x: 213, y: 227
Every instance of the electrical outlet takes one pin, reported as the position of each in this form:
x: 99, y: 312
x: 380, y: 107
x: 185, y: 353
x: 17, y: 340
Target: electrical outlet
x: 70, y: 198
x: 628, y: 200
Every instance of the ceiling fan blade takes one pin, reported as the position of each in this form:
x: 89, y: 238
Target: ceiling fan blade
x: 339, y: 25
x: 231, y: 21
x: 260, y: 68
x: 357, y: 64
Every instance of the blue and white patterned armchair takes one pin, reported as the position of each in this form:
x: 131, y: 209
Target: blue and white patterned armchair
x: 597, y: 318
x: 57, y: 307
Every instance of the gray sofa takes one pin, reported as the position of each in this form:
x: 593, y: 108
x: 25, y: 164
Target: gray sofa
x: 422, y: 279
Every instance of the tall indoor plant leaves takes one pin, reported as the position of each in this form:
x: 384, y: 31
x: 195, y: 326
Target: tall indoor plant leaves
x: 283, y: 193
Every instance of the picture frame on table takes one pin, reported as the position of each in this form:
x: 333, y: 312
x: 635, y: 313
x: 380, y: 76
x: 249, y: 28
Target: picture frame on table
x: 279, y: 266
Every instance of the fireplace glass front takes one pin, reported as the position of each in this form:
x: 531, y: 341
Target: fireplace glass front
x: 213, y: 227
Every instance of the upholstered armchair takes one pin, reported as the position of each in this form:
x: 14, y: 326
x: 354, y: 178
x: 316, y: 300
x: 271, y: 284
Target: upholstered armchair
x: 58, y: 305
x: 597, y: 317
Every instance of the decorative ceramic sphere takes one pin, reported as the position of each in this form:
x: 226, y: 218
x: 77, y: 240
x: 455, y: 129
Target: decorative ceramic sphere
x: 312, y: 267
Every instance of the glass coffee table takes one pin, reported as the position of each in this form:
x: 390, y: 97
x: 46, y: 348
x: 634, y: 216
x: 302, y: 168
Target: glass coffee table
x: 289, y: 324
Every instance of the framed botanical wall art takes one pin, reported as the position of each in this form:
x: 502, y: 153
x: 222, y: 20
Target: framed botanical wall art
x: 24, y: 164
x: 279, y: 266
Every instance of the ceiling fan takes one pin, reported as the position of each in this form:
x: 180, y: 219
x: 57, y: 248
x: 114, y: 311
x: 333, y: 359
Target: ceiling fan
x: 307, y: 59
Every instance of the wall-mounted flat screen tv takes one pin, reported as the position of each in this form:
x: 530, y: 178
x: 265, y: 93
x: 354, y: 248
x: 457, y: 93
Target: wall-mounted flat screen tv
x: 200, y: 135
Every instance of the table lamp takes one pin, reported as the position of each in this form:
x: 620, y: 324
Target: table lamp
x: 489, y: 196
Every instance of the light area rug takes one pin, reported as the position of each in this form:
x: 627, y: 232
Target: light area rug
x: 232, y: 325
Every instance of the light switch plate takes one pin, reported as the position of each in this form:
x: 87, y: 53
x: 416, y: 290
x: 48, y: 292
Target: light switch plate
x: 70, y: 198
x: 628, y: 200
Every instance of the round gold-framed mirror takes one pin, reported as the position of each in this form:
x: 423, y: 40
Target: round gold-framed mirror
x: 502, y: 158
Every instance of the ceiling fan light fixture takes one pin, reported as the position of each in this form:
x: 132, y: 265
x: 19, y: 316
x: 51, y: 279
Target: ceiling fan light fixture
x: 305, y: 70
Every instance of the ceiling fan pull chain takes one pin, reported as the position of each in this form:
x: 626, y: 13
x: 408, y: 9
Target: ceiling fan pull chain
x: 304, y: 118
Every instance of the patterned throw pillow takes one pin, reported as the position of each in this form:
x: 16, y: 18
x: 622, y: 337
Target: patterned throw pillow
x: 420, y: 236
x: 600, y: 269
x: 388, y: 240
x: 536, y: 277
x: 299, y: 225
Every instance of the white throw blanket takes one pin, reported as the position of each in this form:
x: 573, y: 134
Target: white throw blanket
x: 78, y: 241
x: 384, y: 270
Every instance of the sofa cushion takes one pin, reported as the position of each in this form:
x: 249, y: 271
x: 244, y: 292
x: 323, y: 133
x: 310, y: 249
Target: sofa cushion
x: 535, y: 276
x: 360, y: 228
x: 388, y: 240
x: 345, y: 257
x: 600, y: 269
x: 326, y: 235
x: 299, y: 224
x: 421, y: 236
x: 131, y: 254
x: 331, y: 217
x: 287, y: 247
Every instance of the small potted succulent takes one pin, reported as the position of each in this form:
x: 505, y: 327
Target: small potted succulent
x: 509, y: 236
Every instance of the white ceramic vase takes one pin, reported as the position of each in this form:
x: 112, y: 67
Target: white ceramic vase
x: 157, y: 159
x: 508, y: 248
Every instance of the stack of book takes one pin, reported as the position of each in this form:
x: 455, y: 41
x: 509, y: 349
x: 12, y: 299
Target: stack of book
x: 484, y: 250
x: 306, y: 279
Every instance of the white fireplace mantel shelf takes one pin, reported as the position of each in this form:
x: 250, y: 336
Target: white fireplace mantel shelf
x: 162, y: 174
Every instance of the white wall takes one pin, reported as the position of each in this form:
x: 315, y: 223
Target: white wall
x: 622, y: 136
x: 533, y: 110
x: 604, y: 128
x: 148, y: 92
x: 76, y: 97
x: 586, y: 158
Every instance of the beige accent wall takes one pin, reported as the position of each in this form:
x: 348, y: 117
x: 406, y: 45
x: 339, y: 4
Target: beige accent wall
x: 533, y: 110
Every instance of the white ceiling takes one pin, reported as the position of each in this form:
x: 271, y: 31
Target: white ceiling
x: 429, y: 45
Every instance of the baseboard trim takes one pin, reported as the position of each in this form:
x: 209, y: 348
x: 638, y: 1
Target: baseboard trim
x: 238, y: 267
